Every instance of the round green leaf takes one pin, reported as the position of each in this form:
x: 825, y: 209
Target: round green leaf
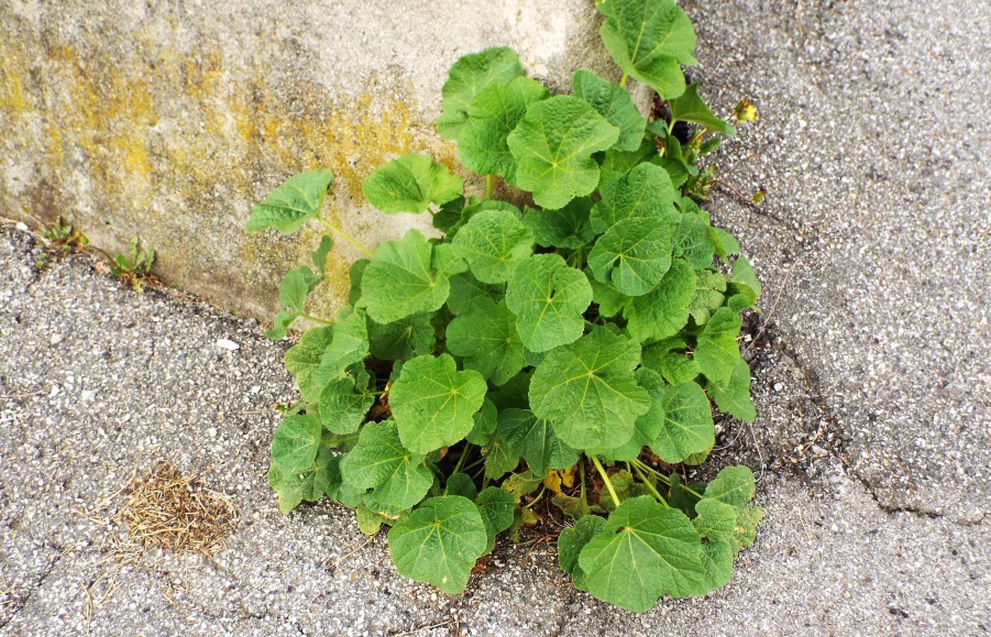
x: 439, y: 542
x: 380, y: 462
x: 570, y: 543
x: 343, y: 406
x: 410, y: 183
x: 469, y: 76
x: 588, y: 391
x: 633, y: 255
x: 535, y: 440
x: 614, y: 103
x: 433, y: 403
x: 717, y: 351
x: 688, y: 427
x: 566, y: 227
x: 485, y: 338
x: 645, y: 550
x: 295, y: 444
x: 493, y: 243
x: 553, y: 145
x: 664, y: 310
x: 400, y: 280
x: 548, y: 299
x: 644, y: 192
x: 409, y: 336
x: 734, y: 397
x: 292, y: 204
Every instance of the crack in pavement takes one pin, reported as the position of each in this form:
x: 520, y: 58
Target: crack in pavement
x: 35, y: 586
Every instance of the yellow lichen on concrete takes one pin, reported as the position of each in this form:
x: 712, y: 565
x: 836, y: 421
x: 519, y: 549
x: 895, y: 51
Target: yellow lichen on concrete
x: 12, y: 98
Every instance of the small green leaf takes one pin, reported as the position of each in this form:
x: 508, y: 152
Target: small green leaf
x: 609, y: 299
x: 633, y: 255
x: 548, y: 299
x: 485, y: 338
x: 433, y: 403
x: 348, y: 346
x: 744, y: 281
x: 319, y: 256
x: 303, y: 360
x: 380, y: 462
x: 687, y: 425
x: 723, y: 242
x: 588, y: 391
x: 400, y: 281
x: 322, y: 478
x: 535, y: 440
x: 733, y: 485
x: 570, y: 543
x: 280, y: 324
x: 496, y: 507
x: 439, y: 542
x: 645, y: 550
x: 692, y: 242
x: 292, y: 204
x: 664, y: 310
x: 734, y: 396
x: 715, y: 523
x: 466, y: 290
x: 645, y: 192
x: 566, y: 227
x: 553, y: 145
x: 500, y: 458
x: 484, y: 425
x: 369, y: 522
x: 410, y: 183
x: 493, y: 243
x: 460, y: 484
x: 343, y: 405
x: 469, y: 76
x: 492, y: 116
x: 614, y: 103
x: 296, y: 286
x: 689, y: 107
x: 295, y: 444
x: 717, y: 351
x: 649, y: 39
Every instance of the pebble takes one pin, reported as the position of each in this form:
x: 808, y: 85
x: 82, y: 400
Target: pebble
x: 227, y: 344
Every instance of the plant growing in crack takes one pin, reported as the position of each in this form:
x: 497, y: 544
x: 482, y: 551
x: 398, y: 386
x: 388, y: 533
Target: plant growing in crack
x: 586, y: 334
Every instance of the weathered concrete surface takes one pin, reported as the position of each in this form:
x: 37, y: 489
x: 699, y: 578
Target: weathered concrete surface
x: 875, y: 236
x: 170, y: 119
x: 96, y: 382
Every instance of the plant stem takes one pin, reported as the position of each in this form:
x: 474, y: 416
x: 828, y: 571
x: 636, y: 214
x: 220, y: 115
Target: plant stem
x: 660, y: 476
x: 315, y: 318
x: 461, y: 460
x: 605, y: 478
x: 581, y: 464
x: 489, y: 185
x: 344, y: 236
x: 650, y: 487
x: 536, y: 499
x: 622, y: 80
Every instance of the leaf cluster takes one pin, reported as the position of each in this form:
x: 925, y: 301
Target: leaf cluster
x: 593, y: 326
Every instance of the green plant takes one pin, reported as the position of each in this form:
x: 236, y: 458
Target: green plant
x: 61, y: 241
x: 134, y: 268
x: 584, y: 334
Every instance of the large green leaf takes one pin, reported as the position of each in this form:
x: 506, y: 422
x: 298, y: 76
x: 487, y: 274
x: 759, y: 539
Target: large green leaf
x: 664, y: 310
x: 380, y: 462
x: 689, y: 107
x: 485, y: 338
x: 492, y: 116
x: 566, y: 227
x: 535, y: 440
x: 717, y: 351
x: 645, y: 550
x: 633, y: 255
x: 439, y: 542
x: 553, y: 145
x: 433, y: 403
x: 292, y: 204
x: 645, y: 192
x: 687, y: 425
x: 408, y: 337
x: 733, y: 397
x: 295, y: 444
x: 570, y: 543
x: 410, y: 183
x: 649, y: 39
x: 493, y: 243
x: 469, y: 76
x: 646, y: 427
x: 401, y: 281
x: 343, y: 405
x: 614, y: 103
x: 548, y: 299
x: 588, y: 391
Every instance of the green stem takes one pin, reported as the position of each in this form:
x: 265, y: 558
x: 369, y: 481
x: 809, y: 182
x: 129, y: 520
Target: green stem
x: 650, y: 487
x: 605, y: 478
x: 581, y: 464
x: 536, y: 499
x: 344, y: 236
x: 461, y: 460
x: 622, y: 80
x: 489, y: 185
x: 315, y: 318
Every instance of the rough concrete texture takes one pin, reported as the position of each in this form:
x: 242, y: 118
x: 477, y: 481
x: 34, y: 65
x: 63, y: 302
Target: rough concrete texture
x: 872, y: 444
x: 170, y: 119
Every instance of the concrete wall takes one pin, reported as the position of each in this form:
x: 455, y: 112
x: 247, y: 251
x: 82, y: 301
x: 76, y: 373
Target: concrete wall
x: 168, y: 119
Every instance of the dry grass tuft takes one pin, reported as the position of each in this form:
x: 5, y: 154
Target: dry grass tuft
x: 169, y: 510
